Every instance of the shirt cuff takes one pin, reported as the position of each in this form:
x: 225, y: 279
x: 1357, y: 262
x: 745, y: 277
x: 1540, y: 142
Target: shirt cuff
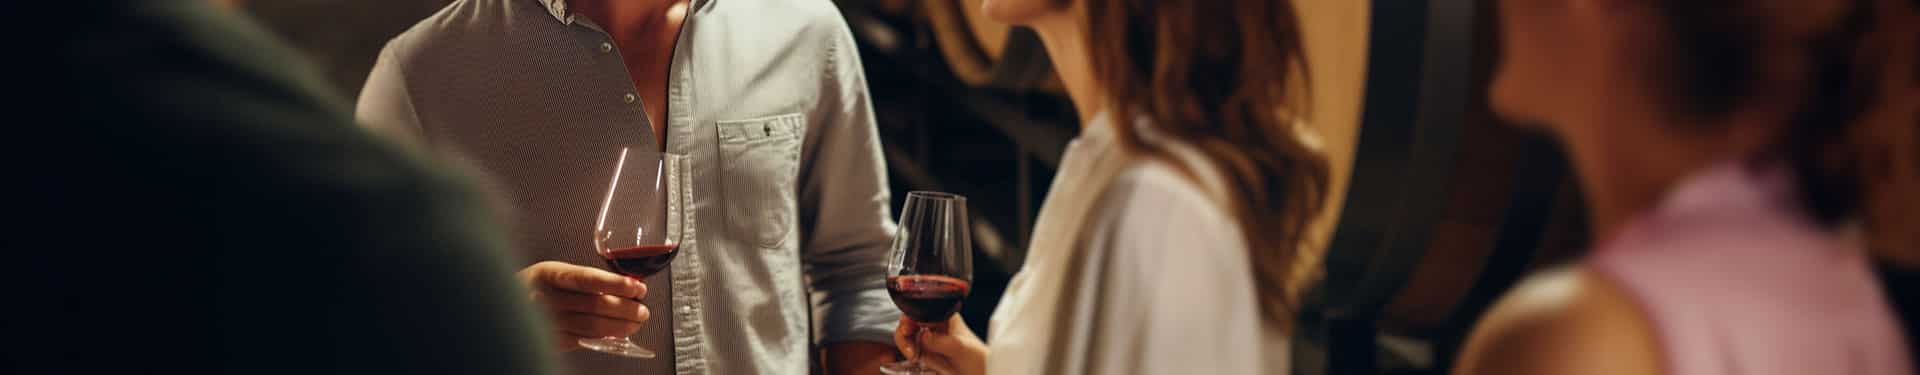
x: 858, y: 315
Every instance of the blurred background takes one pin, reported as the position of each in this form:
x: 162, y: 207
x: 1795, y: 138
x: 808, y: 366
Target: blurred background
x: 1437, y: 208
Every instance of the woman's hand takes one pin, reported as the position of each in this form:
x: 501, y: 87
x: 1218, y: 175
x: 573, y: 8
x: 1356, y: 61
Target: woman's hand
x: 949, y: 347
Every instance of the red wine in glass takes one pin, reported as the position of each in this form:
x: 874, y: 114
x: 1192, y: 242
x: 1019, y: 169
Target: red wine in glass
x: 927, y: 298
x: 641, y: 261
x: 639, y: 227
x: 930, y: 267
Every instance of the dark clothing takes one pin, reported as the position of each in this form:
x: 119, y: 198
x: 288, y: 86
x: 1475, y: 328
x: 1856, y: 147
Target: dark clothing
x: 196, y: 201
x: 1903, y: 289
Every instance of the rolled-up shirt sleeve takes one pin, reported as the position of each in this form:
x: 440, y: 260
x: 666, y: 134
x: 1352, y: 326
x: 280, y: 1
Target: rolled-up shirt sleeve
x: 844, y: 215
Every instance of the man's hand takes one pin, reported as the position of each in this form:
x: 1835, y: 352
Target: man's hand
x: 857, y: 357
x: 950, y: 347
x: 586, y: 302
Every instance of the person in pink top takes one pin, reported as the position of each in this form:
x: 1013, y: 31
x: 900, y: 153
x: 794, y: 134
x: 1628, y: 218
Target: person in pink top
x: 1744, y: 162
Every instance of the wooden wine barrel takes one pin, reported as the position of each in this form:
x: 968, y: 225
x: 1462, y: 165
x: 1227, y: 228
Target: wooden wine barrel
x: 1334, y: 34
x: 984, y: 53
x: 342, y: 37
x: 1445, y: 207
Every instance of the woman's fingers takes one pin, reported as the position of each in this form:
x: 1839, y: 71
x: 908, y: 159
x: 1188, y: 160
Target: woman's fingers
x: 945, y: 337
x: 949, y: 347
x: 940, y: 364
x: 903, y: 336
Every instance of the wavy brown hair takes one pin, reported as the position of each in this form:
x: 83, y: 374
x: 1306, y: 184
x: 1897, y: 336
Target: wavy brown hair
x: 1854, y: 139
x: 1221, y: 75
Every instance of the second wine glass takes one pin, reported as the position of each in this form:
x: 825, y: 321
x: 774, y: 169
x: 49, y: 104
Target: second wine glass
x: 930, y: 267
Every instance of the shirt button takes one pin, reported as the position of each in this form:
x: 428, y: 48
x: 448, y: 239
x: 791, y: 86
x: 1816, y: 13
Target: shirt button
x: 629, y: 99
x: 606, y: 47
x: 686, y: 310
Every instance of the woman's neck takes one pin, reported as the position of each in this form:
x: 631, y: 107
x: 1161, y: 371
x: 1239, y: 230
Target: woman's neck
x: 1628, y: 161
x: 1614, y: 192
x: 1066, y: 43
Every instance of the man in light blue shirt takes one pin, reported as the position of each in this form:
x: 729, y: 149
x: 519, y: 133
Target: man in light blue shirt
x: 768, y: 100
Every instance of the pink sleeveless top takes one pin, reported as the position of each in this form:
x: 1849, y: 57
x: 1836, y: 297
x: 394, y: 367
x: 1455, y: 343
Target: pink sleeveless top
x: 1737, y: 279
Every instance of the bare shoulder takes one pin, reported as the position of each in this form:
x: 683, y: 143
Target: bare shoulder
x: 1567, y: 321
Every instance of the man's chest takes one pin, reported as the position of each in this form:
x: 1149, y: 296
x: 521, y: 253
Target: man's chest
x: 650, y: 74
x: 558, y: 94
x: 550, y: 130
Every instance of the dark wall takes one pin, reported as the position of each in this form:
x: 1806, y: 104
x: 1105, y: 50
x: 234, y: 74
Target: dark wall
x: 343, y: 37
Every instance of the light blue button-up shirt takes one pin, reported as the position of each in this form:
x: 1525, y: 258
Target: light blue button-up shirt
x: 768, y: 100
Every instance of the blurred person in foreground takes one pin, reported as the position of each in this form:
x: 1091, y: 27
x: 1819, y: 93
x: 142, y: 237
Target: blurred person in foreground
x: 768, y: 100
x: 198, y: 202
x: 1743, y: 161
x: 1174, y: 237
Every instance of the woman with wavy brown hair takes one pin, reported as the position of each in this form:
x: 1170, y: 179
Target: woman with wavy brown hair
x: 1743, y: 160
x: 1174, y: 238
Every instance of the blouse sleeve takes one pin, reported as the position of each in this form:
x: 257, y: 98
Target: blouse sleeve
x: 1175, y: 294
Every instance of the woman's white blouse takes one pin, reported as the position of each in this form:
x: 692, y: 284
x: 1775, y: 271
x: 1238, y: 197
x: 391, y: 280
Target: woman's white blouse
x: 1163, y: 283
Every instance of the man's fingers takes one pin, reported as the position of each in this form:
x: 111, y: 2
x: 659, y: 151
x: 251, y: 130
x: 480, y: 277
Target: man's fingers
x: 567, y: 342
x: 587, y: 325
x: 580, y: 279
x: 605, y: 306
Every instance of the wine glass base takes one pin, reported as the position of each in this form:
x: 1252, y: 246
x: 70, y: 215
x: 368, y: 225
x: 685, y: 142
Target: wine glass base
x: 616, y: 346
x: 907, y: 368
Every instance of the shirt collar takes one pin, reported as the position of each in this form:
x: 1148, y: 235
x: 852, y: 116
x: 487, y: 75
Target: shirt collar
x: 558, y: 8
x: 1764, y: 186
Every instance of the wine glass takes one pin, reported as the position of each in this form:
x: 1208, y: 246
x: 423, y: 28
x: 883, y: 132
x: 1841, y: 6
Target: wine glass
x: 641, y: 226
x: 930, y: 267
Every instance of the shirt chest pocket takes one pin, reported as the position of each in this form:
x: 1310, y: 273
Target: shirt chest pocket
x: 759, y: 160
